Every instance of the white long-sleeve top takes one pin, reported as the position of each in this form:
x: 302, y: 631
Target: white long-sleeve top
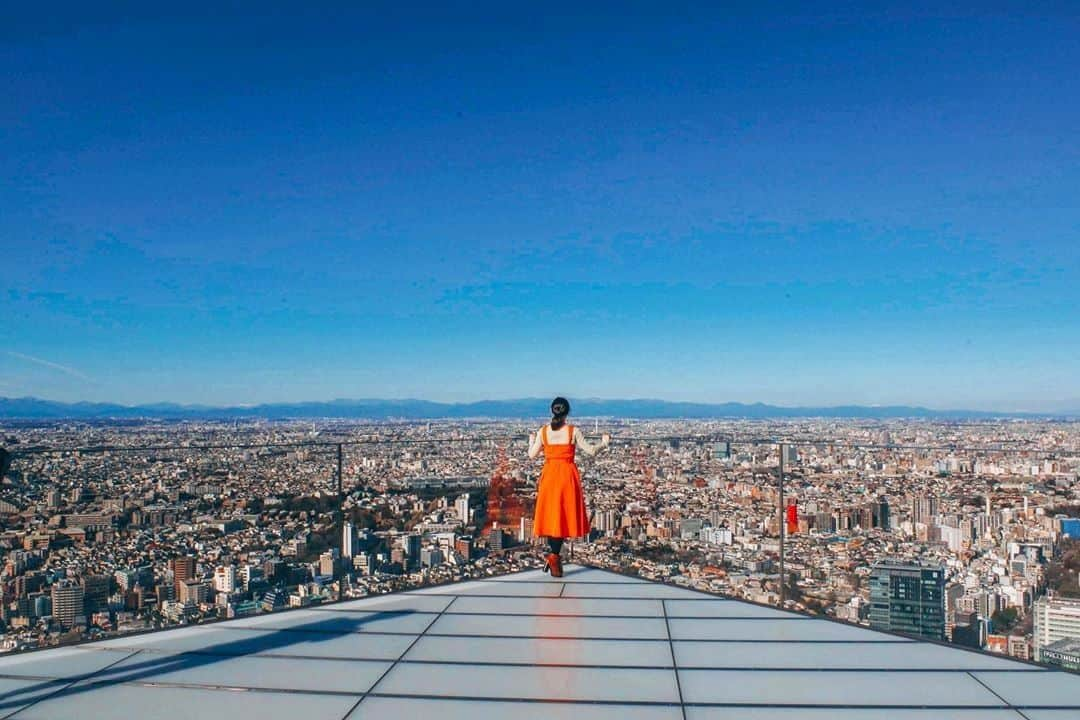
x: 561, y: 437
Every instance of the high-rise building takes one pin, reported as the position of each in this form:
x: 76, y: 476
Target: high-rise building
x: 882, y: 517
x: 908, y: 599
x: 183, y: 569
x: 328, y: 562
x: 464, y: 546
x: 193, y: 592
x: 924, y: 510
x: 497, y: 539
x: 461, y: 505
x: 348, y: 540
x: 1056, y: 618
x: 225, y: 579
x: 67, y: 603
x: 411, y: 545
x: 126, y: 579
x: 96, y: 590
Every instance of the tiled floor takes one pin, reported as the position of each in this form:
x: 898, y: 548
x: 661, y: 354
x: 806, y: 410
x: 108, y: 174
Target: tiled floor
x: 591, y: 646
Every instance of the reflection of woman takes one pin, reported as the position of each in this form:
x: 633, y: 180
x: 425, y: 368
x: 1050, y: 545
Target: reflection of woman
x: 560, y: 504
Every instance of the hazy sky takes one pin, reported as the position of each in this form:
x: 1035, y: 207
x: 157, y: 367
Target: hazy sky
x: 484, y: 202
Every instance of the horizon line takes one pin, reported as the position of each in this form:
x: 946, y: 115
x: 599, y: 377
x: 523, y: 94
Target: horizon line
x: 459, y: 403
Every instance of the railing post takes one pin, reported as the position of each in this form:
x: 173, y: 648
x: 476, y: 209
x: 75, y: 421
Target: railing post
x: 340, y: 485
x: 781, y: 510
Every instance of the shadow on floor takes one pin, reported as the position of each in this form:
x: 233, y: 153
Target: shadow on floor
x: 145, y: 665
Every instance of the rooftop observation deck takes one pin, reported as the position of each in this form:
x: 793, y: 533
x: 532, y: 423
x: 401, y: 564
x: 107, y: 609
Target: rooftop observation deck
x: 593, y: 644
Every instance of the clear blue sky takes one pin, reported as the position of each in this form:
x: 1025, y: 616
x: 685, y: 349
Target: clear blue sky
x: 650, y: 201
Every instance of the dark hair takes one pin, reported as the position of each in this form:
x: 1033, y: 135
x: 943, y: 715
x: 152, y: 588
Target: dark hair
x: 560, y: 408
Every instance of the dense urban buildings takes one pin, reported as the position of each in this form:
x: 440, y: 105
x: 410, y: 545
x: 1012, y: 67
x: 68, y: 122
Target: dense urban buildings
x: 950, y: 530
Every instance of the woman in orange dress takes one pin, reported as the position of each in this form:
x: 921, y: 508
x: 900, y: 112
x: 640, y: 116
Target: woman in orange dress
x: 560, y: 503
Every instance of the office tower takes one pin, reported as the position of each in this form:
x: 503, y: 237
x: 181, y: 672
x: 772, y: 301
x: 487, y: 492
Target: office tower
x: 247, y: 575
x: 908, y: 599
x: 52, y: 498
x: 225, y: 579
x: 193, y: 592
x: 525, y: 530
x: 183, y: 569
x: 882, y: 517
x: 924, y: 510
x: 67, y: 603
x: 1056, y: 618
x: 461, y: 505
x: 431, y: 557
x: 464, y: 546
x: 791, y: 455
x: 348, y: 540
x: 328, y: 562
x: 126, y: 579
x: 411, y: 545
x: 96, y: 590
x: 42, y: 604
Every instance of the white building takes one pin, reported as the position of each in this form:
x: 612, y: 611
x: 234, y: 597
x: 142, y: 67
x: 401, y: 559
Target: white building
x: 461, y: 506
x: 348, y: 540
x: 225, y: 579
x: 1056, y: 618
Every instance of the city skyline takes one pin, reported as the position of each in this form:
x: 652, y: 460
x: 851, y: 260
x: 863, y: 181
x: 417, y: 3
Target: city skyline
x: 713, y: 205
x: 504, y: 408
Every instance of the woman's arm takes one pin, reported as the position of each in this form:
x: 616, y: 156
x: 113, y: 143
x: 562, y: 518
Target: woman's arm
x: 586, y: 446
x: 535, y: 444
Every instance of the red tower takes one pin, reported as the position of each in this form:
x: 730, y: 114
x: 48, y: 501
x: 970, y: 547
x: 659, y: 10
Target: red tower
x: 504, y: 503
x: 792, y: 518
x: 648, y: 476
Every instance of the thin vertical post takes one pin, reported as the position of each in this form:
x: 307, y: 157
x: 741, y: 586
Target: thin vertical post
x: 780, y: 510
x: 340, y: 485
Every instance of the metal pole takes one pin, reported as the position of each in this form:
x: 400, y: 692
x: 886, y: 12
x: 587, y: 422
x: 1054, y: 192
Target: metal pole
x: 783, y: 590
x: 340, y: 486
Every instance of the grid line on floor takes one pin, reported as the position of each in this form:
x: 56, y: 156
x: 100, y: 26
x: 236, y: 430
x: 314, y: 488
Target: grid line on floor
x: 619, y: 661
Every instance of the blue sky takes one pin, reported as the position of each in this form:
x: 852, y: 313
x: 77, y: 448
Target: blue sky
x: 664, y: 200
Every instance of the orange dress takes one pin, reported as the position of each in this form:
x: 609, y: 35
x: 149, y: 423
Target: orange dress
x: 560, y: 503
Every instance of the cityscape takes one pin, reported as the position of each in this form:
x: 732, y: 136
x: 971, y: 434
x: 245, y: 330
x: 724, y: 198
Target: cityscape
x: 561, y: 361
x: 964, y: 532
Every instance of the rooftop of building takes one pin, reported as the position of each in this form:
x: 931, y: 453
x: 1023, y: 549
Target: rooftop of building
x: 1069, y: 646
x: 593, y: 644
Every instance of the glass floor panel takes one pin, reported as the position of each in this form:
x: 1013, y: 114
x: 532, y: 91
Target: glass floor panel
x: 590, y: 645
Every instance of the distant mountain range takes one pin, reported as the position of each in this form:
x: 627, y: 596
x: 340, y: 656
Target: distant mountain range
x: 37, y: 409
